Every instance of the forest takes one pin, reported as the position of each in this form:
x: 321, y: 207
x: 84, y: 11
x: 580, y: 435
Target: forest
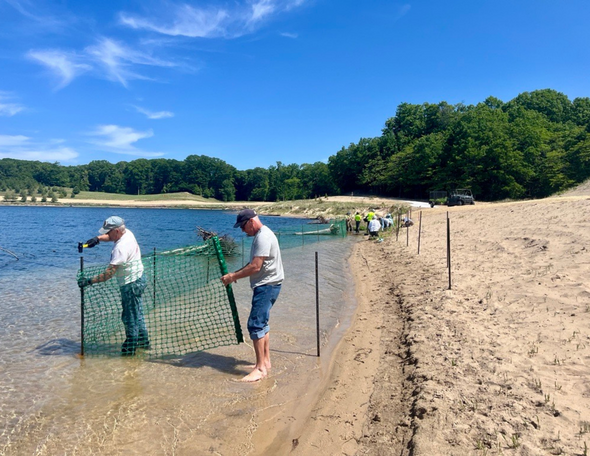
x: 532, y: 146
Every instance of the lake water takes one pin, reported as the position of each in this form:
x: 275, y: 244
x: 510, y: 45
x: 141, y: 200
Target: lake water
x: 53, y: 402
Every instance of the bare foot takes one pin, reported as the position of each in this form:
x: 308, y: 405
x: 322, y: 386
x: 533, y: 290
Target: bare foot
x: 254, y: 376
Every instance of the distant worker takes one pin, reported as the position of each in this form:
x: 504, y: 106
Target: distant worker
x: 265, y: 270
x: 407, y: 222
x: 357, y: 221
x: 386, y: 222
x: 348, y: 222
x: 374, y: 226
x: 369, y: 217
x: 126, y: 264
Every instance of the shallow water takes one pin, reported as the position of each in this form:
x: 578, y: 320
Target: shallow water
x: 53, y: 402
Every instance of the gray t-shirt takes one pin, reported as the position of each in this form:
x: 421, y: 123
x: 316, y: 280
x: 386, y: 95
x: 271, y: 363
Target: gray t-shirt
x: 266, y: 245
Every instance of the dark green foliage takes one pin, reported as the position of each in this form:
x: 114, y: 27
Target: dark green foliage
x: 531, y: 146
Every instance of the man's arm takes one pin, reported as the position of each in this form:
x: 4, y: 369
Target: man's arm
x: 109, y: 272
x: 96, y: 240
x: 251, y: 268
x: 106, y: 275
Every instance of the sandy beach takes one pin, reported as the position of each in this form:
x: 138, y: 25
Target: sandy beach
x: 498, y: 364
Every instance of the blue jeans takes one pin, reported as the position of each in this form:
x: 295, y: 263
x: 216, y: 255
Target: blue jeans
x: 263, y: 298
x: 132, y: 316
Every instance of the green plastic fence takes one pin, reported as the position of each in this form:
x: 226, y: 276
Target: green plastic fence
x: 186, y: 307
x: 306, y: 234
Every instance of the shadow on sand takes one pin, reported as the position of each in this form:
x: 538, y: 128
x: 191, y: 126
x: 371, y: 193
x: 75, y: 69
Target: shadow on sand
x: 197, y: 360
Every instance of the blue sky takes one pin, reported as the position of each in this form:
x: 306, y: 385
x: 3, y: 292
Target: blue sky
x: 253, y: 82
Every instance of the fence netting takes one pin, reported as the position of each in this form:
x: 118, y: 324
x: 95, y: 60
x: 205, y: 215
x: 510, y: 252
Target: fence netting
x: 306, y: 234
x: 186, y: 308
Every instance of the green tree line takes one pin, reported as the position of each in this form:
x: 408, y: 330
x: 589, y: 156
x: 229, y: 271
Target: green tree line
x: 531, y: 146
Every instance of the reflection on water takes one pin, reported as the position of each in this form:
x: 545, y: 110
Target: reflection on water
x: 53, y: 402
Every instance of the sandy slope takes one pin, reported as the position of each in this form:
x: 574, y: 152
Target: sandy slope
x: 499, y: 364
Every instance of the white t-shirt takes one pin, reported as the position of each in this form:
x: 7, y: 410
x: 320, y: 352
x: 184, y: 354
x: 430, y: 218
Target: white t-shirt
x: 127, y: 256
x: 266, y: 245
x: 374, y: 225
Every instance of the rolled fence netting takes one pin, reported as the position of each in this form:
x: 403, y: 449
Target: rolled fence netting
x: 185, y: 306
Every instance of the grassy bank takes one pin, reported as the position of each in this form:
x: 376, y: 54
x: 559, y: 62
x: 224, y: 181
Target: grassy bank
x: 180, y: 197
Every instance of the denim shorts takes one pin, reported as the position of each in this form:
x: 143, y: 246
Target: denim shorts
x: 263, y: 299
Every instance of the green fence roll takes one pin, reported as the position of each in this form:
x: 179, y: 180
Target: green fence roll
x: 186, y: 307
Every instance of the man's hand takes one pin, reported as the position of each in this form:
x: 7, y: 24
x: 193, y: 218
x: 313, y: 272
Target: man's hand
x: 92, y: 242
x: 228, y: 279
x: 84, y: 282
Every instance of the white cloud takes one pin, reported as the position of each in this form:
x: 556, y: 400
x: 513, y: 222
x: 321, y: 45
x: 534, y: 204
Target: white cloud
x: 62, y: 64
x: 118, y: 59
x: 10, y: 109
x: 120, y: 137
x: 7, y: 108
x: 23, y: 148
x: 403, y: 10
x: 261, y: 9
x: 193, y: 22
x: 120, y: 140
x: 113, y: 59
x: 60, y: 154
x: 290, y: 35
x: 25, y: 7
x: 7, y: 140
x: 183, y: 20
x: 154, y: 115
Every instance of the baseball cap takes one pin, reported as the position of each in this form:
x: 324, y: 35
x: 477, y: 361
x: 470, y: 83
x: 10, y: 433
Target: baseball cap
x: 111, y: 223
x: 244, y: 216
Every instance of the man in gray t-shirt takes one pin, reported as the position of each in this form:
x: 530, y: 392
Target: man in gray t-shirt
x: 265, y: 270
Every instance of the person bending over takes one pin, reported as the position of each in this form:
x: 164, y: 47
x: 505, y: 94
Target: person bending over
x: 126, y: 265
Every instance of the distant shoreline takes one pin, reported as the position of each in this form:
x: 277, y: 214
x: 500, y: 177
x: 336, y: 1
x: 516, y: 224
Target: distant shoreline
x: 323, y: 207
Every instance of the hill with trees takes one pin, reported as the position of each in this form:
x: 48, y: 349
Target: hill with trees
x: 529, y: 147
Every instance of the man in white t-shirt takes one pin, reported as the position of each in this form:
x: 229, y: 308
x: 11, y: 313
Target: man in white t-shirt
x: 374, y: 226
x: 265, y: 270
x: 127, y: 266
